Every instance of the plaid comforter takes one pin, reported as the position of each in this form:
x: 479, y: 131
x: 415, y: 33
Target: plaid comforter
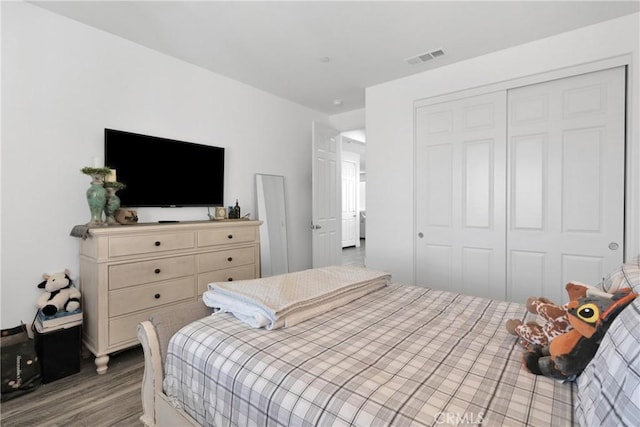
x: 400, y: 356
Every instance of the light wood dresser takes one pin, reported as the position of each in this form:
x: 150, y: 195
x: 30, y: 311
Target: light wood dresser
x: 129, y: 273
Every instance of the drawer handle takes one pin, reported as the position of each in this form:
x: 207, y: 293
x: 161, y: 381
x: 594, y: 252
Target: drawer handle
x: 230, y: 236
x: 157, y: 271
x: 230, y: 259
x: 157, y: 296
x: 157, y: 243
x: 230, y: 279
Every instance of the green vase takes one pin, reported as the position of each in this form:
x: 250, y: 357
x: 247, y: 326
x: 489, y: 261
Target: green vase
x: 113, y: 204
x: 96, y: 198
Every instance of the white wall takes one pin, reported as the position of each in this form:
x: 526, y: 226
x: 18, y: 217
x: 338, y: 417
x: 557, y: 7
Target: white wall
x: 349, y: 120
x: 389, y: 124
x: 64, y: 82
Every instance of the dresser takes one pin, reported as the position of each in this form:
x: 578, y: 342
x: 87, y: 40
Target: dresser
x: 129, y: 273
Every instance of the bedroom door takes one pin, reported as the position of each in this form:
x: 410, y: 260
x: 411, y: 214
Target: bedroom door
x: 566, y: 183
x: 460, y: 195
x: 325, y: 215
x: 350, y: 199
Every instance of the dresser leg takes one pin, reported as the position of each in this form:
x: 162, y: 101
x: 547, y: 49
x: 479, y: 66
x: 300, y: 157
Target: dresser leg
x: 101, y: 364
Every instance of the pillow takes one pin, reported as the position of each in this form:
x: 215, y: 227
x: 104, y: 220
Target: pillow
x: 625, y: 276
x: 609, y: 387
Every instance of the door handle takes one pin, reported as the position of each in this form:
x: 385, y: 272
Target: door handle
x: 613, y: 246
x: 315, y: 227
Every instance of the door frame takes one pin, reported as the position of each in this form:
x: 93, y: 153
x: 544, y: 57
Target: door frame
x: 632, y: 176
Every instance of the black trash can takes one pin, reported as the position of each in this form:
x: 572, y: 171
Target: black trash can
x: 59, y: 352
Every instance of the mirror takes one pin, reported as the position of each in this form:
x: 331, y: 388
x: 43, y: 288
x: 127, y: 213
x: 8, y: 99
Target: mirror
x: 274, y: 256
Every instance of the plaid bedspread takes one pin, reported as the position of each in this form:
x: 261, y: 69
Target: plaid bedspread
x: 399, y: 356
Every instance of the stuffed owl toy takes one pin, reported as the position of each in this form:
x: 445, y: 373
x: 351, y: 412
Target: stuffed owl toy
x: 568, y: 354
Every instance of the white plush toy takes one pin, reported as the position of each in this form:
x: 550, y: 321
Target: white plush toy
x: 60, y: 294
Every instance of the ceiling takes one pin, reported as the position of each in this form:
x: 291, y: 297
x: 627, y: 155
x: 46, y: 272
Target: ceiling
x: 315, y: 53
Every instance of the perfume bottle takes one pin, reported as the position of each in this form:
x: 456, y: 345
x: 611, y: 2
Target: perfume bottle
x: 236, y: 210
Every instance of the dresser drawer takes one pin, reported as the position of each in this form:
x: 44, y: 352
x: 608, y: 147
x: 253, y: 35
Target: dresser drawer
x: 145, y: 244
x: 125, y: 301
x: 225, y: 259
x: 224, y: 236
x: 227, y: 275
x: 138, y: 273
x: 124, y: 329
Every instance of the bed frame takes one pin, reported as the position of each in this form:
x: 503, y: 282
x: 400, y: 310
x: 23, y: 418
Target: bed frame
x: 594, y: 405
x: 154, y: 334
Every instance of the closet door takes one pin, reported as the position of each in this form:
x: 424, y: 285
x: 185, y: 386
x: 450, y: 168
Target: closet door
x: 460, y: 195
x: 566, y: 183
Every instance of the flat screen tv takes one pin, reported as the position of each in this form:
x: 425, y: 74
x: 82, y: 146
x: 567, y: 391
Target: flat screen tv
x: 161, y: 172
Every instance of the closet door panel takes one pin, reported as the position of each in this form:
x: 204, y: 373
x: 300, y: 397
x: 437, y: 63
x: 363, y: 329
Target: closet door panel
x: 566, y: 180
x: 478, y: 177
x: 528, y: 190
x: 578, y: 265
x: 436, y: 268
x: 439, y: 184
x: 476, y: 270
x: 527, y: 274
x: 460, y: 195
x: 582, y: 180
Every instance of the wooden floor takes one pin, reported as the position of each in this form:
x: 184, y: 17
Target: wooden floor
x: 89, y: 399
x: 354, y: 255
x: 85, y: 398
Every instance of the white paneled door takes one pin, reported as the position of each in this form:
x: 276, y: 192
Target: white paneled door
x: 520, y: 192
x: 325, y: 215
x: 566, y: 182
x: 460, y: 195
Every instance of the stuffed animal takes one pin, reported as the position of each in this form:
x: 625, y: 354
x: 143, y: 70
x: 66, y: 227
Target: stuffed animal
x: 568, y: 355
x: 556, y: 323
x: 59, y: 295
x: 556, y: 320
x: 126, y: 216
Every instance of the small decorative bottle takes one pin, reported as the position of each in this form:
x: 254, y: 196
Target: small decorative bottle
x: 236, y: 210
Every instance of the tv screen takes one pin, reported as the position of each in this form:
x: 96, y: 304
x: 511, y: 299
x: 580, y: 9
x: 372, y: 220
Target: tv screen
x: 161, y: 172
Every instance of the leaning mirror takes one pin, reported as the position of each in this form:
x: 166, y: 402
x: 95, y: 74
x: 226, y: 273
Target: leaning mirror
x: 273, y: 232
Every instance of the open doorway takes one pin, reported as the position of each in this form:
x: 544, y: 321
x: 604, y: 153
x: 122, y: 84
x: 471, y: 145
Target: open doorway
x: 328, y: 145
x: 353, y: 197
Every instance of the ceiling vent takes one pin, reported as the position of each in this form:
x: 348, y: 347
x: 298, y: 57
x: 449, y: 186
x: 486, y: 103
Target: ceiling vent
x: 424, y: 57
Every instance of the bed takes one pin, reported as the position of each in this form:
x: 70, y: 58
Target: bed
x: 400, y: 355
